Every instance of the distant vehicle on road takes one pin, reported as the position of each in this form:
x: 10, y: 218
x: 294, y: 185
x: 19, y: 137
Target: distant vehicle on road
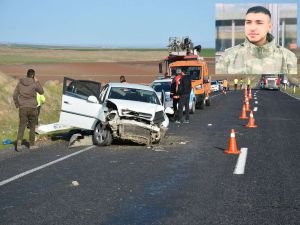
x: 270, y: 81
x: 163, y: 85
x: 214, y: 86
x: 220, y: 82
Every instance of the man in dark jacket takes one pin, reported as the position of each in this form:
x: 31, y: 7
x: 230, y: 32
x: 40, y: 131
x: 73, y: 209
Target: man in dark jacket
x: 25, y: 99
x: 184, y: 91
x: 174, y: 92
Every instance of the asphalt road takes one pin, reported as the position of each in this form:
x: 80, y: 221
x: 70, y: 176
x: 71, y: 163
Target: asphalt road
x: 187, y: 179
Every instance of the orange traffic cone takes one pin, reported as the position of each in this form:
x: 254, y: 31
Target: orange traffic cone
x: 232, y: 146
x: 245, y: 99
x: 250, y: 94
x: 247, y: 104
x: 251, y: 122
x: 243, y: 114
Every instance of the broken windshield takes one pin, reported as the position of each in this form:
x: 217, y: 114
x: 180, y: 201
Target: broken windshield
x: 132, y: 94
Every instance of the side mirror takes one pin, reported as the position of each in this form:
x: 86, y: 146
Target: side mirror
x: 92, y: 99
x: 168, y: 110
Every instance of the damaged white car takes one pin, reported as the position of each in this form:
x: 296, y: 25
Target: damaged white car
x: 121, y: 111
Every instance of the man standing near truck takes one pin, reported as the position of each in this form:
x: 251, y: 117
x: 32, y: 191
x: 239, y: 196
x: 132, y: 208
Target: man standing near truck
x: 174, y: 91
x: 184, y: 91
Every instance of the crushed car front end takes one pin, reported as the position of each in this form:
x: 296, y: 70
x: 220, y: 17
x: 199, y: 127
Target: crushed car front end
x: 139, y: 123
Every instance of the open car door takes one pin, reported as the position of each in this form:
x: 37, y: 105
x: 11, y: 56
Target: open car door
x: 80, y: 104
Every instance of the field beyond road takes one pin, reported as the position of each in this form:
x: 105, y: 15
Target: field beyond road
x: 103, y: 65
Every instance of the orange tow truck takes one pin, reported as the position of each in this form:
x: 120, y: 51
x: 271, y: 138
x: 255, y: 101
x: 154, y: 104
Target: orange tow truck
x: 183, y: 55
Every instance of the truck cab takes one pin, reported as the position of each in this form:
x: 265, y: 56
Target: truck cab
x: 184, y: 55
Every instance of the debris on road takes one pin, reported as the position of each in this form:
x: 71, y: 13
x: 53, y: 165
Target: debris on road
x: 80, y: 140
x: 75, y: 183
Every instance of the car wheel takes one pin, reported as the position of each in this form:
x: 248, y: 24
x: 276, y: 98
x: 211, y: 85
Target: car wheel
x: 193, y: 109
x: 102, y: 136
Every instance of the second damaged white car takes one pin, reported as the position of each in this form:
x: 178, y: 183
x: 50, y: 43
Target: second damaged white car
x: 121, y: 111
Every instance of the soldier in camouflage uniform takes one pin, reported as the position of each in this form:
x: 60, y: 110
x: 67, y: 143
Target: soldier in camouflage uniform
x: 258, y: 54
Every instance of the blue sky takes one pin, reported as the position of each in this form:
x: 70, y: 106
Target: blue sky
x: 111, y: 23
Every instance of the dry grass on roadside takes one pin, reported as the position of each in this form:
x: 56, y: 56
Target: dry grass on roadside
x: 8, y: 112
x: 292, y: 90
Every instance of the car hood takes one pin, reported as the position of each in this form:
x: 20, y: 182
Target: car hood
x: 142, y: 110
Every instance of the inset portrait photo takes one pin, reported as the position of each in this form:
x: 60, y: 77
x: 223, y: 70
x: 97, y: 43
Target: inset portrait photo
x: 256, y: 38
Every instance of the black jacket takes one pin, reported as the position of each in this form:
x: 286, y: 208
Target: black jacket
x: 185, y: 85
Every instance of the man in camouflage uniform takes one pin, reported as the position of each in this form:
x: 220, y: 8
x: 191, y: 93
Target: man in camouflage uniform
x: 258, y: 54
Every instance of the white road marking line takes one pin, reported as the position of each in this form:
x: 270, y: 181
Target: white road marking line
x: 43, y: 166
x: 255, y: 109
x: 240, y: 165
x: 256, y: 102
x: 255, y: 98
